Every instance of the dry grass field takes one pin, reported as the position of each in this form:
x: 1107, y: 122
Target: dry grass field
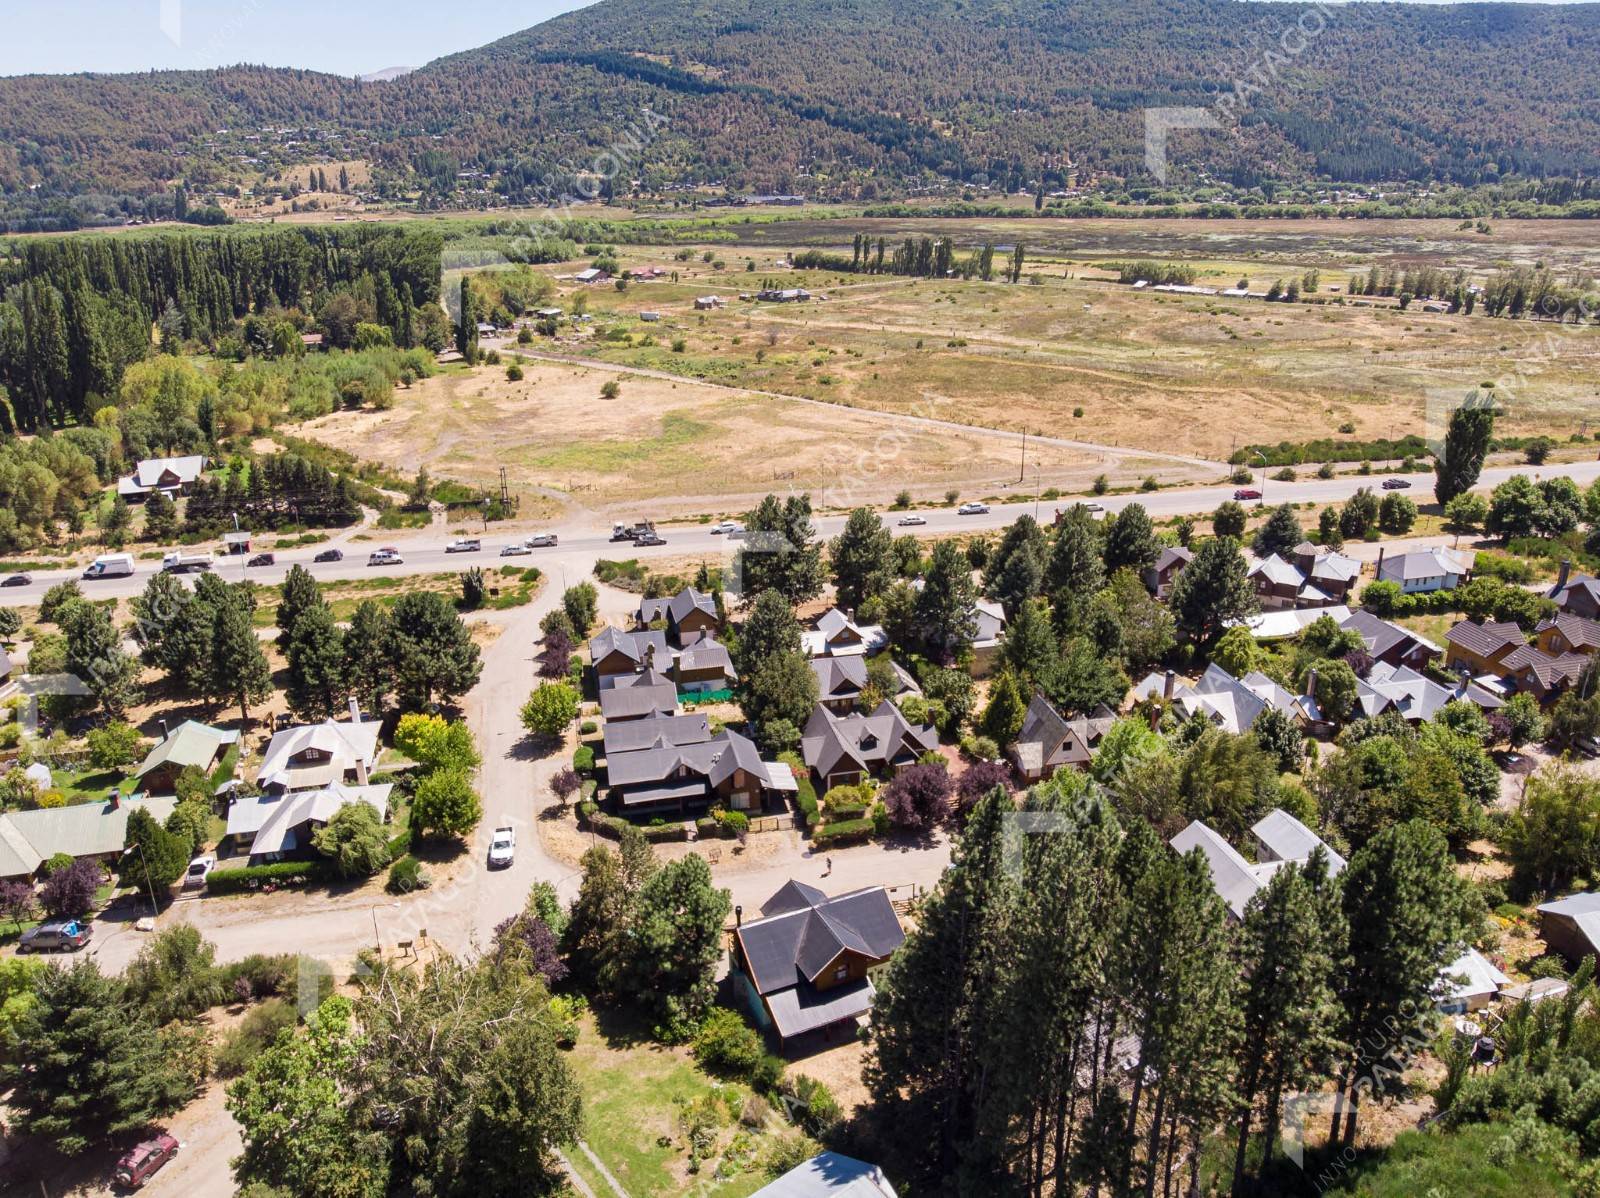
x: 700, y: 446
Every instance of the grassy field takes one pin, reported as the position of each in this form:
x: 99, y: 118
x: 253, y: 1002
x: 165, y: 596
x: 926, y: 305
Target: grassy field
x: 634, y: 1094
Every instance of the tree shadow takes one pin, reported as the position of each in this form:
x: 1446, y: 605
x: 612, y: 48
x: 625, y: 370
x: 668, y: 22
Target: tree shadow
x: 622, y: 1026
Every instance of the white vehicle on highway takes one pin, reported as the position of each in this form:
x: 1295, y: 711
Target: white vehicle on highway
x: 503, y: 847
x: 972, y: 509
x: 517, y: 550
x: 726, y: 528
x: 386, y: 557
x: 542, y: 540
x: 185, y: 563
x: 911, y: 521
x: 464, y: 545
x: 112, y: 565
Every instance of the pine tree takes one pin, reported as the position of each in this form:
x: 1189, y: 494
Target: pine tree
x: 316, y: 683
x: 300, y: 594
x: 862, y: 556
x: 238, y: 669
x: 368, y: 670
x: 944, y: 607
x: 96, y: 657
x: 1212, y: 590
x: 432, y: 651
x: 1029, y: 649
x: 1131, y: 540
x: 1280, y: 534
x: 1003, y: 717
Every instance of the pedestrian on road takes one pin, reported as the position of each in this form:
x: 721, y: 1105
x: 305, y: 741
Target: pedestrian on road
x: 829, y: 870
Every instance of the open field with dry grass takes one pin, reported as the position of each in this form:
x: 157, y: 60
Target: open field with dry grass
x: 702, y: 447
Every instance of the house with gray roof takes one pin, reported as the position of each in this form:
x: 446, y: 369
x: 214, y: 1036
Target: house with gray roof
x: 684, y: 617
x: 1420, y: 571
x: 316, y: 756
x: 656, y: 732
x: 171, y: 476
x: 1281, y: 840
x: 843, y: 750
x: 614, y: 652
x: 1311, y: 580
x: 677, y: 774
x: 1481, y: 647
x: 838, y: 635
x: 276, y: 826
x: 1048, y: 741
x: 841, y: 681
x: 1564, y: 633
x: 805, y: 966
x: 1231, y: 703
x: 97, y: 829
x: 1571, y: 926
x: 1388, y: 642
x: 1577, y: 595
x: 830, y: 1175
x: 1415, y: 697
x: 638, y: 697
x: 189, y: 744
x: 1159, y: 576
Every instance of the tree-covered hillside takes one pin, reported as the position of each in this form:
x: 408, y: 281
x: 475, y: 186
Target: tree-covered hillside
x: 858, y: 96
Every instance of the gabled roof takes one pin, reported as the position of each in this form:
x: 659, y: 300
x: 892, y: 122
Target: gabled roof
x: 1047, y: 741
x: 836, y: 634
x: 809, y: 930
x: 846, y: 677
x: 1287, y: 839
x: 1468, y: 976
x: 1588, y: 583
x: 1438, y: 562
x: 830, y: 1175
x: 862, y: 741
x: 1335, y: 567
x: 1235, y: 878
x: 94, y: 829
x: 633, y: 645
x: 1380, y: 636
x: 990, y: 619
x: 1172, y: 556
x: 1578, y: 632
x: 1278, y: 572
x: 659, y: 732
x: 705, y: 654
x: 711, y: 762
x: 147, y: 475
x: 190, y: 743
x: 346, y: 744
x: 1549, y: 671
x: 1488, y: 639
x: 275, y: 820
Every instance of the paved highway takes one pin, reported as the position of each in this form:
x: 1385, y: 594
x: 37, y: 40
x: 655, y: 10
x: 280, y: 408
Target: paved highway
x: 581, y: 544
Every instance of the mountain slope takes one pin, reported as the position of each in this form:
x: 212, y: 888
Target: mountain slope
x: 850, y: 95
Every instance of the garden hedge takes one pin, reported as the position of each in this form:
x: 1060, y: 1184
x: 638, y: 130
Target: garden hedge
x: 237, y: 881
x: 853, y: 831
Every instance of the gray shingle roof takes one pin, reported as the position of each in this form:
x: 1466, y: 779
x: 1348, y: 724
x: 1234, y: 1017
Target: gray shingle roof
x: 1487, y: 639
x: 863, y: 741
x: 657, y: 732
x: 797, y: 943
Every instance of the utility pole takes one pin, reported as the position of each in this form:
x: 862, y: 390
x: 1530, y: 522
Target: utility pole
x: 1022, y: 472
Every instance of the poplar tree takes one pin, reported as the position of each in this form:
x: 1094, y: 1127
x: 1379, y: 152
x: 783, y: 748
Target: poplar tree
x: 1467, y: 437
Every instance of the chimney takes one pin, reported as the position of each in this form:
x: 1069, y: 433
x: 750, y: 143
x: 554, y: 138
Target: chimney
x: 361, y: 771
x: 1311, y: 684
x: 1378, y: 571
x: 1566, y: 569
x: 114, y: 797
x: 165, y: 732
x: 1155, y: 717
x: 738, y: 917
x: 355, y: 710
x: 1170, y: 686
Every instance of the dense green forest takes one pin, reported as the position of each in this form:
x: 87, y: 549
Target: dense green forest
x: 850, y: 100
x: 75, y: 313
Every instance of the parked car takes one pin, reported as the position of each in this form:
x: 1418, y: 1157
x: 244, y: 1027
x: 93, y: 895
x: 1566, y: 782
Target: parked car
x: 385, y: 557
x: 16, y: 580
x: 972, y: 509
x: 911, y: 521
x: 1396, y: 484
x: 142, y: 1162
x: 517, y: 550
x: 262, y: 559
x: 464, y: 545
x: 1247, y: 493
x: 61, y: 935
x: 542, y: 540
x: 329, y: 555
x: 199, y: 869
x: 503, y: 847
x: 649, y: 538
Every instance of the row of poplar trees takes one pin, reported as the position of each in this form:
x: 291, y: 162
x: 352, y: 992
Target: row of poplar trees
x: 1076, y: 1013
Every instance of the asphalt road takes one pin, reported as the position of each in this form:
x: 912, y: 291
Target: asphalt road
x: 581, y: 543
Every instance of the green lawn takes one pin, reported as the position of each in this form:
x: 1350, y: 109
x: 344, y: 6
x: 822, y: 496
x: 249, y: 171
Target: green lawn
x: 633, y: 1094
x: 81, y: 786
x: 1468, y: 1161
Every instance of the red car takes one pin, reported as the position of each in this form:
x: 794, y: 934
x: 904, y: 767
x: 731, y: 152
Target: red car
x: 141, y: 1163
x: 1246, y: 493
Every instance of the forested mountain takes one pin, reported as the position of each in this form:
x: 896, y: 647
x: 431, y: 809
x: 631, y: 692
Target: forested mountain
x: 857, y: 97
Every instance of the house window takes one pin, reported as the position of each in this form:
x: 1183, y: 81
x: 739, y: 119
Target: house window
x: 841, y: 973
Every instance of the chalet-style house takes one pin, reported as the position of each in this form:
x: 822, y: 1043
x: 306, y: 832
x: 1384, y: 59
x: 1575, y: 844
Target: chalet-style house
x: 1233, y: 704
x: 189, y: 744
x: 1049, y: 741
x: 317, y: 756
x: 1280, y: 839
x: 1423, y: 570
x: 1542, y: 675
x: 844, y: 750
x: 171, y: 476
x: 805, y: 966
x: 1311, y: 577
x: 685, y: 617
x: 1481, y: 648
x: 638, y: 697
x: 1577, y: 596
x: 97, y: 830
x: 1571, y: 926
x: 1158, y: 578
x: 685, y: 767
x: 701, y: 665
x: 1414, y: 696
x: 279, y: 825
x: 1390, y: 643
x: 838, y: 635
x: 841, y: 681
x: 1565, y: 633
x: 655, y: 732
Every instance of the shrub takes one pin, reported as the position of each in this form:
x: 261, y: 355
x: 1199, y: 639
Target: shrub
x: 918, y: 797
x: 588, y: 728
x: 851, y: 831
x: 726, y: 1045
x: 261, y: 976
x: 813, y: 1107
x: 407, y: 875
x: 113, y: 746
x: 583, y: 759
x: 279, y: 873
x: 255, y: 1033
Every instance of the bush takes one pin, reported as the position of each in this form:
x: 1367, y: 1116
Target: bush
x: 851, y: 831
x: 261, y: 976
x: 583, y: 760
x: 114, y: 746
x: 407, y: 875
x: 813, y: 1106
x: 588, y: 728
x: 255, y: 1033
x: 279, y: 873
x: 727, y: 1046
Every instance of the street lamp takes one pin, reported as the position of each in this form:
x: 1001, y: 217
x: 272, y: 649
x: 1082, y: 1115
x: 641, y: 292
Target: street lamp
x: 149, y: 885
x: 1262, y: 500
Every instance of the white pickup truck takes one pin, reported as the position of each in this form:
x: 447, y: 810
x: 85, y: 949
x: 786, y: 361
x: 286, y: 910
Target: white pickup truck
x: 502, y: 847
